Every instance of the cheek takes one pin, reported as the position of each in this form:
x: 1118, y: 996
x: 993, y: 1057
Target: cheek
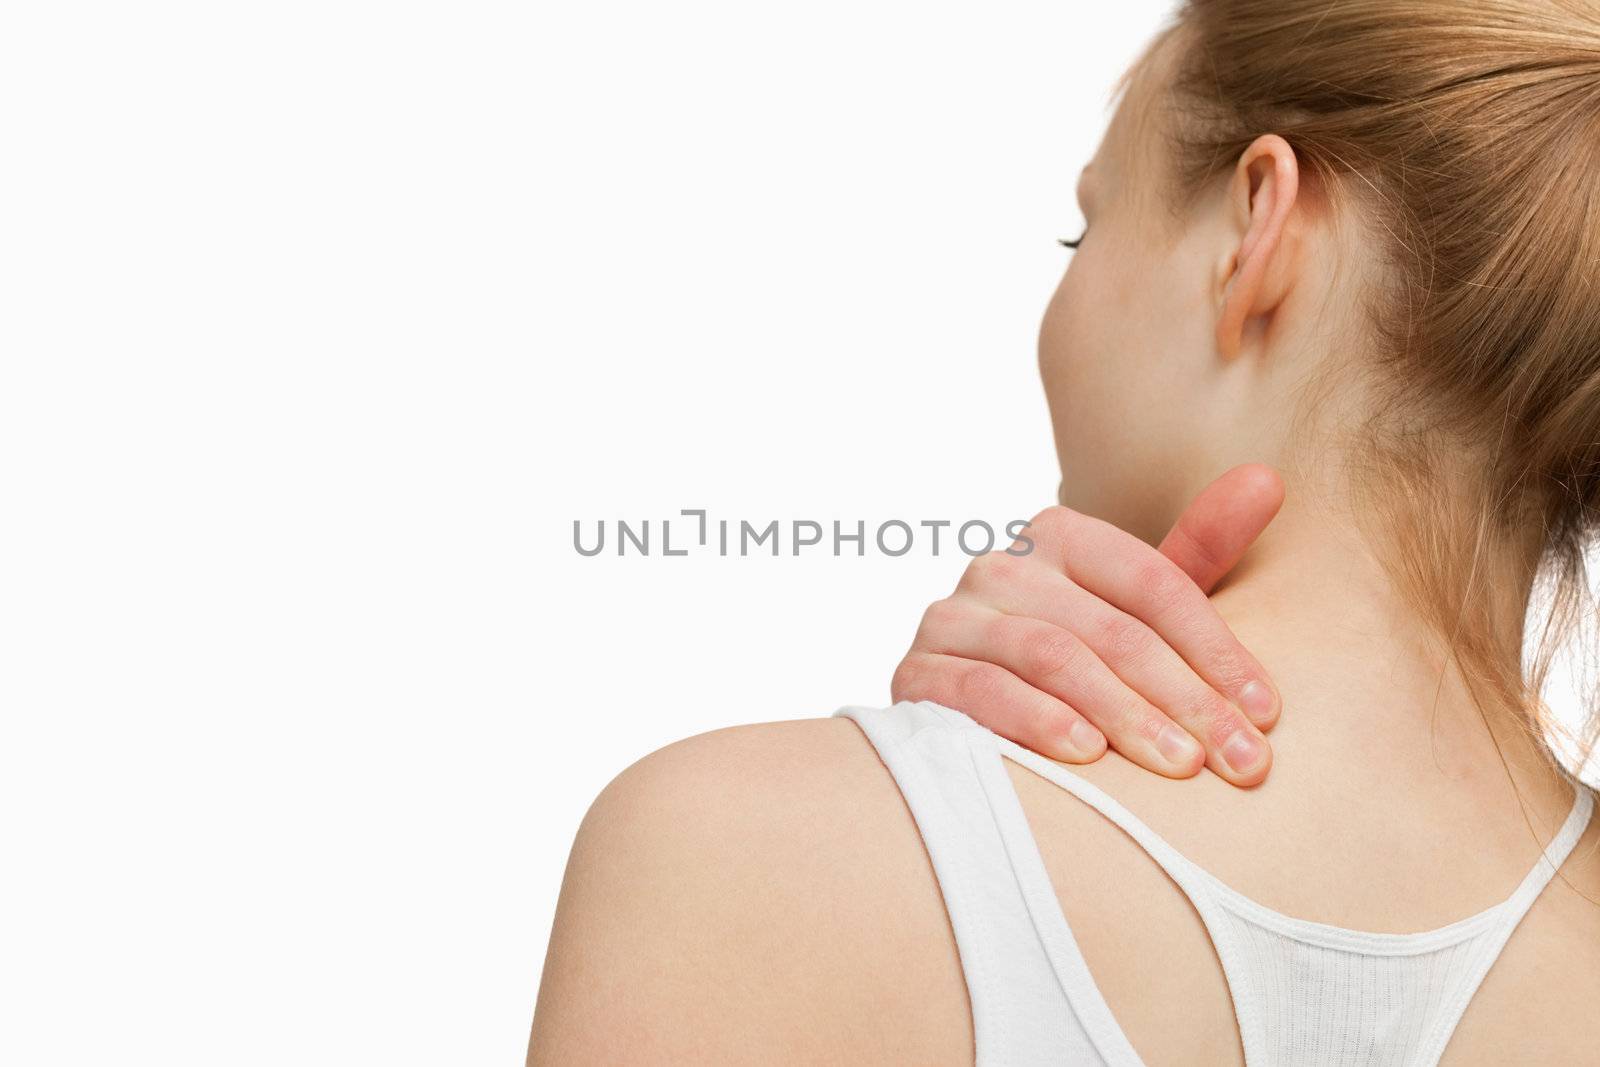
x: 1119, y: 339
x: 1114, y: 350
x: 1082, y: 352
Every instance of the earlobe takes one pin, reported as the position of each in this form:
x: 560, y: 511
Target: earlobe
x: 1255, y: 273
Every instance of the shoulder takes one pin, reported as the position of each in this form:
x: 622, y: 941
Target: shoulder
x: 776, y: 760
x: 756, y: 892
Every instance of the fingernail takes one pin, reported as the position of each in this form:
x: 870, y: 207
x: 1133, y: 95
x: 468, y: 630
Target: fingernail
x: 1242, y: 751
x: 1255, y: 699
x: 1084, y: 737
x: 1176, y: 745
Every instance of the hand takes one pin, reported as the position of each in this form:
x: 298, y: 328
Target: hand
x: 1095, y: 638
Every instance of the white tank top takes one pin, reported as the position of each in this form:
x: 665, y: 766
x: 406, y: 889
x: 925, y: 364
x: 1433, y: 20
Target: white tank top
x: 1305, y: 994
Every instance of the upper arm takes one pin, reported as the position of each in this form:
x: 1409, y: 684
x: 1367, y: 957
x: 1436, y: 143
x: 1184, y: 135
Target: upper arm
x: 750, y: 895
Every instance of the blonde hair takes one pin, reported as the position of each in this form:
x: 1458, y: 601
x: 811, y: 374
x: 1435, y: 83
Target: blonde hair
x: 1470, y: 133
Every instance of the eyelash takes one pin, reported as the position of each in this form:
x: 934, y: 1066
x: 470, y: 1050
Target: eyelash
x: 1074, y: 243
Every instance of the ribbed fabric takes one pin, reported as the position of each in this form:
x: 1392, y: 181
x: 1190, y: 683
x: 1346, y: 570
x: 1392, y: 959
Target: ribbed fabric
x: 1305, y: 994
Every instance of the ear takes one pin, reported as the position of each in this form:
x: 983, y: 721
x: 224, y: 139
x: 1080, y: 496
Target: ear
x: 1256, y: 272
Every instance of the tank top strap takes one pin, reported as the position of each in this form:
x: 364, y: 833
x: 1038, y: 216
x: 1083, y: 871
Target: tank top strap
x: 1195, y: 880
x: 1205, y: 892
x: 1509, y: 915
x: 1554, y: 855
x: 1021, y: 1014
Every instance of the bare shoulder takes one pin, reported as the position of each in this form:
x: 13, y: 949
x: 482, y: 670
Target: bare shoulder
x: 753, y: 894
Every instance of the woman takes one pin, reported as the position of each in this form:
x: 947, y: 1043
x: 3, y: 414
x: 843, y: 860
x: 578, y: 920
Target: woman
x: 1352, y: 239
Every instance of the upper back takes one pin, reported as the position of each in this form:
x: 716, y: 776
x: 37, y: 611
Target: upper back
x: 1394, y: 864
x: 765, y: 893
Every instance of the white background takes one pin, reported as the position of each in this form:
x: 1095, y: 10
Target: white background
x: 324, y: 321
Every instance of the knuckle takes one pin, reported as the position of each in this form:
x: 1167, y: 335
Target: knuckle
x: 997, y: 568
x: 1158, y: 581
x: 907, y: 682
x: 1120, y: 638
x: 1046, y: 720
x: 1228, y: 666
x: 1144, y: 723
x: 979, y: 684
x: 984, y: 572
x: 1044, y: 651
x: 1052, y: 532
x: 1052, y: 522
x: 942, y: 615
x: 1218, y: 719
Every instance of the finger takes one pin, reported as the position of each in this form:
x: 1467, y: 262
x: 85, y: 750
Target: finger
x: 1132, y: 576
x: 1222, y: 522
x: 1001, y: 701
x: 1057, y: 662
x: 1148, y: 665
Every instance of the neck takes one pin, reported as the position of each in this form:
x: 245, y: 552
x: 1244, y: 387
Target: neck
x: 1359, y: 666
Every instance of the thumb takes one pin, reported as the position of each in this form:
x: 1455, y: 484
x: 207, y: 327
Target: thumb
x: 1222, y: 522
